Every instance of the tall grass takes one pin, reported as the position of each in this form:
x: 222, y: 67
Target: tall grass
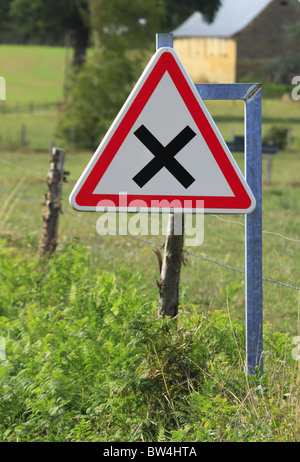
x: 88, y: 359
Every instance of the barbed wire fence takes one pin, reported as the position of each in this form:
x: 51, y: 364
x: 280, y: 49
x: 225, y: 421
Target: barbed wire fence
x: 152, y: 243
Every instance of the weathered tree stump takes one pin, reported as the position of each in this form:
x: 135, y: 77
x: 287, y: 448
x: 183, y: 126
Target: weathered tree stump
x: 171, y: 266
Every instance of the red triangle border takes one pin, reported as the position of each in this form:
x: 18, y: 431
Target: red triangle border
x: 166, y: 63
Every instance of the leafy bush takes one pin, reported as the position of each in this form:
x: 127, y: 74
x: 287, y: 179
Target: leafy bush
x: 88, y: 359
x: 107, y: 81
x: 277, y: 136
x: 275, y: 90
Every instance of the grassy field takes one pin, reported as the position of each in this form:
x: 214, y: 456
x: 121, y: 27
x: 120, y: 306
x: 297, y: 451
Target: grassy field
x: 32, y: 73
x: 24, y: 172
x: 202, y: 282
x: 122, y: 272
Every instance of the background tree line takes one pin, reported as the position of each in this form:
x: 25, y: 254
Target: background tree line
x: 112, y: 41
x: 49, y: 22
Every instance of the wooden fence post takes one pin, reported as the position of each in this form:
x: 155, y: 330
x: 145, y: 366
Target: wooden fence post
x: 171, y: 266
x: 55, y: 180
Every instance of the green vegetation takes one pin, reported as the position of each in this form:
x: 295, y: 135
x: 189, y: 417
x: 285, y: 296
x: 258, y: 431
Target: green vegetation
x: 33, y: 74
x: 202, y: 283
x: 40, y: 131
x: 89, y: 360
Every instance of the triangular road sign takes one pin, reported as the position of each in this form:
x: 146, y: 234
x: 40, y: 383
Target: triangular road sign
x: 163, y: 150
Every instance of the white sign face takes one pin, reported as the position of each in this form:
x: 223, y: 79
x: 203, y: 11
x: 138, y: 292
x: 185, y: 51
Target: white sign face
x: 163, y: 148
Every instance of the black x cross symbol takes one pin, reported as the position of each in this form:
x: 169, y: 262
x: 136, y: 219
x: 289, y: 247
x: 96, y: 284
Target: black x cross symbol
x: 164, y: 156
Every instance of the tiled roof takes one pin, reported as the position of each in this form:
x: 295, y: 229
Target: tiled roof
x: 232, y: 17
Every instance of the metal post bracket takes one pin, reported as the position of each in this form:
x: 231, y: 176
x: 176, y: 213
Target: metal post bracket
x: 250, y: 93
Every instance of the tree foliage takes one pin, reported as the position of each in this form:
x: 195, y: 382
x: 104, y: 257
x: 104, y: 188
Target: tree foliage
x: 120, y: 34
x: 123, y: 37
x: 97, y: 90
x: 50, y: 22
x: 281, y: 69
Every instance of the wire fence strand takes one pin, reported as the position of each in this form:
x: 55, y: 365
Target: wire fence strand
x: 265, y: 232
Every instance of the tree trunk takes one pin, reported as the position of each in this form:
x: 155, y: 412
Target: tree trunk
x: 80, y: 45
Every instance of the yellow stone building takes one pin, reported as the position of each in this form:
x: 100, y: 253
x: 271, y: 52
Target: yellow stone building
x: 242, y: 36
x: 208, y: 59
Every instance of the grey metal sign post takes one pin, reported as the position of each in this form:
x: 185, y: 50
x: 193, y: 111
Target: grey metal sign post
x: 251, y: 95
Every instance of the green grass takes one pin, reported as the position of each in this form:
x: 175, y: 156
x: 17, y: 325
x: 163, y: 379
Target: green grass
x: 40, y: 131
x: 87, y: 359
x: 202, y: 283
x: 229, y: 117
x: 32, y: 73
